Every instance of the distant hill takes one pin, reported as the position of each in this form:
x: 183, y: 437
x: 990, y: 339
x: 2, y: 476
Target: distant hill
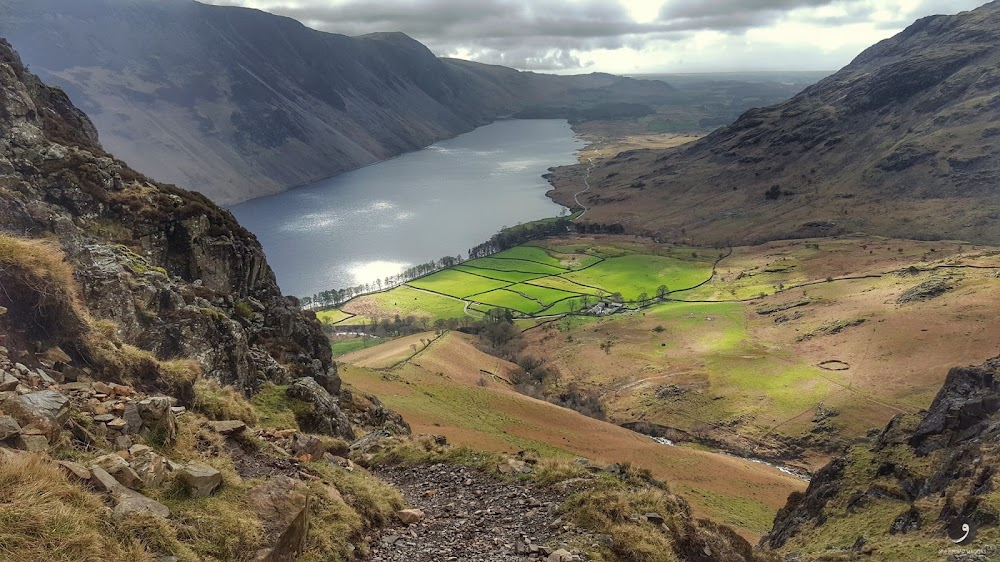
x: 903, y: 142
x: 237, y: 103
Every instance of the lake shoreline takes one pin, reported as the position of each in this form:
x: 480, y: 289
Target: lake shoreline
x: 373, y: 222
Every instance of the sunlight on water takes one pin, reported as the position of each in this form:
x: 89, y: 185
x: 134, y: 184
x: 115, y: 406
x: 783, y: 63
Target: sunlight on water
x: 368, y: 272
x: 310, y: 222
x: 374, y: 221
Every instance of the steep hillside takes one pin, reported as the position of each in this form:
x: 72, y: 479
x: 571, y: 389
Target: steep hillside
x: 159, y: 268
x: 902, y: 142
x: 905, y: 494
x: 238, y: 103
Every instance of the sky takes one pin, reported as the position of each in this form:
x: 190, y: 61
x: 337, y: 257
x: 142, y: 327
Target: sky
x: 627, y: 36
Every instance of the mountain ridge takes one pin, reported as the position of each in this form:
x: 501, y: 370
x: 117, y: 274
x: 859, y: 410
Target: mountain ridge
x: 240, y: 103
x: 907, y: 124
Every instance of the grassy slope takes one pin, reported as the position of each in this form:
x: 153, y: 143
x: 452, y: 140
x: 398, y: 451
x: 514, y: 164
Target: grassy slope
x: 444, y: 390
x: 759, y: 373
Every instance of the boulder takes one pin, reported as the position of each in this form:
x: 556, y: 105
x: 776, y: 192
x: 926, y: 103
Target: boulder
x: 149, y: 466
x: 157, y: 419
x: 8, y: 427
x: 104, y: 482
x: 410, y: 516
x: 326, y: 416
x: 200, y: 480
x: 119, y: 469
x: 74, y: 471
x: 282, y: 503
x: 303, y: 444
x: 8, y: 382
x: 130, y: 502
x: 227, y: 427
x: 46, y: 410
x: 31, y: 443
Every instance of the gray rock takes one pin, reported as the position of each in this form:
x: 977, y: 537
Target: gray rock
x: 158, y: 419
x: 8, y: 382
x: 130, y: 503
x: 46, y: 410
x: 75, y: 470
x: 282, y: 503
x: 32, y: 443
x: 326, y: 416
x: 200, y: 480
x: 132, y: 418
x: 227, y: 427
x: 8, y: 427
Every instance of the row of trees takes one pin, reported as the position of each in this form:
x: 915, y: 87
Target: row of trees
x: 334, y: 297
x: 507, y: 238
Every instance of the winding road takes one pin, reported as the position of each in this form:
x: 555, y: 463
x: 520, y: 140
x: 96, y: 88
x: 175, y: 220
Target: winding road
x: 586, y: 182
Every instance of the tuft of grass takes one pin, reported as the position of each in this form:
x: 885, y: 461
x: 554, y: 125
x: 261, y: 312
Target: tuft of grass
x: 220, y: 402
x: 277, y: 410
x: 219, y: 527
x: 374, y: 501
x: 243, y: 309
x: 39, y: 289
x: 44, y: 517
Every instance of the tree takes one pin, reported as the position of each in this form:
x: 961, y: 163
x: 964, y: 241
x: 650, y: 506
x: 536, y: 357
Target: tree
x: 642, y: 298
x: 661, y: 292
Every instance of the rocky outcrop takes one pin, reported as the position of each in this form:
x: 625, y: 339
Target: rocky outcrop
x: 913, y: 479
x: 176, y: 274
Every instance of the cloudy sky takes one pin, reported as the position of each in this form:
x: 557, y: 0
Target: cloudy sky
x: 627, y: 36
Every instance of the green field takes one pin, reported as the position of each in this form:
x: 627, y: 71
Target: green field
x: 456, y: 283
x: 530, y: 253
x: 632, y: 275
x: 511, y: 276
x: 332, y: 316
x: 407, y: 301
x: 564, y: 284
x: 343, y: 346
x: 509, y: 299
x: 538, y: 280
x: 505, y: 264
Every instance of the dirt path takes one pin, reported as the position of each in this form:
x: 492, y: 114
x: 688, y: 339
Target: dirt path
x: 470, y: 516
x: 586, y: 182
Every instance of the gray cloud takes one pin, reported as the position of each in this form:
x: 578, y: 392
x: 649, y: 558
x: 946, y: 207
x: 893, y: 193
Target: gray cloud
x: 558, y: 34
x: 730, y: 15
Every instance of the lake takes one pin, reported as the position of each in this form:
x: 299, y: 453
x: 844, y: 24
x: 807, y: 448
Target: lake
x: 440, y: 201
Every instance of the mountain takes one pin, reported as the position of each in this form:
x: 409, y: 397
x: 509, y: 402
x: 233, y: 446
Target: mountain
x: 239, y: 103
x: 901, y: 142
x: 903, y: 493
